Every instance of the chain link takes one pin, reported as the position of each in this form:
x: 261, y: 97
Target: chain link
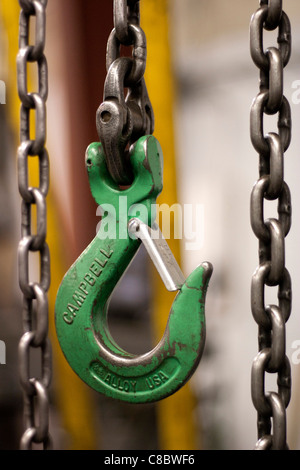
x: 35, y: 301
x: 271, y: 233
x: 122, y: 120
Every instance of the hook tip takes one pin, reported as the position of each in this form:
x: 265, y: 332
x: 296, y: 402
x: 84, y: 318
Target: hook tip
x: 208, y: 270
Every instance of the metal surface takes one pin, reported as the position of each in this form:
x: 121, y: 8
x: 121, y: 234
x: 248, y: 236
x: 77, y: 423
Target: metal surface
x: 35, y: 302
x: 82, y: 300
x: 121, y: 119
x: 160, y: 253
x: 271, y: 319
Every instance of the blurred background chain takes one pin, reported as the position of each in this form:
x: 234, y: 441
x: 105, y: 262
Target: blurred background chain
x: 271, y: 233
x: 35, y: 301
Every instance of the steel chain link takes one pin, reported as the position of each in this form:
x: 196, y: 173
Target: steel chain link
x: 121, y: 119
x: 35, y: 301
x: 271, y: 233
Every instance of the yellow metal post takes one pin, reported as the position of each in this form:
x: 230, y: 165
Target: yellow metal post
x: 176, y: 424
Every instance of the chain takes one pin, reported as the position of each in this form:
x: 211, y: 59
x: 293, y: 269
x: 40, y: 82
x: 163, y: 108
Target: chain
x: 271, y: 233
x: 35, y: 301
x: 122, y: 120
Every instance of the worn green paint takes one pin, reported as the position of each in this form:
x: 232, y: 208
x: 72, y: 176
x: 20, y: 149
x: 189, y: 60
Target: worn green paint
x: 82, y: 300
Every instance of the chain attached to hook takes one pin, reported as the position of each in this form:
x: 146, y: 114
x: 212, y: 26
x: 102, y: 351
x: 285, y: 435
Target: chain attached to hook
x: 128, y: 156
x: 122, y: 120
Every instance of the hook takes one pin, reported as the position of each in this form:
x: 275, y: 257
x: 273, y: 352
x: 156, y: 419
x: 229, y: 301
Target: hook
x: 83, y: 296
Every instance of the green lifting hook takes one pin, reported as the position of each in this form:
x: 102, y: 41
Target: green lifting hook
x: 83, y: 296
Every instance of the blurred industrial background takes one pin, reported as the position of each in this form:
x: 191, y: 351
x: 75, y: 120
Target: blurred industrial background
x: 201, y: 82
